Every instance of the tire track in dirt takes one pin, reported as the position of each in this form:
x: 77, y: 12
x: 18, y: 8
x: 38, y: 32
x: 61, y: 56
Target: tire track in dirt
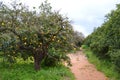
x: 82, y: 69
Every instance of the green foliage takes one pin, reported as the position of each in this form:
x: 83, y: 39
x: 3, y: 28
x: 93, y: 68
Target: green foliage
x: 102, y: 65
x: 84, y: 46
x: 55, y: 57
x: 23, y: 71
x: 78, y: 38
x: 115, y: 57
x: 26, y: 33
x: 105, y: 40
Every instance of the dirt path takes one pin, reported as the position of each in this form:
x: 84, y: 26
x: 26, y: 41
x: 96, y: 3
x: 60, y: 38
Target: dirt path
x: 83, y: 70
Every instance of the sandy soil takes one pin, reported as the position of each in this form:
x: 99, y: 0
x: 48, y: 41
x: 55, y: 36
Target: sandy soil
x: 83, y: 70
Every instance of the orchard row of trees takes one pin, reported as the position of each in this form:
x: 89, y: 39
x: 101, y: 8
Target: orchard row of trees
x: 42, y: 34
x: 105, y: 40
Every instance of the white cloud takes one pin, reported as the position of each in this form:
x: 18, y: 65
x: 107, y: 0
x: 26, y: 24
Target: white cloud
x: 86, y: 14
x: 80, y: 28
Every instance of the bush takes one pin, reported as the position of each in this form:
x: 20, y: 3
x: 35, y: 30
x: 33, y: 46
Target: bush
x: 105, y: 40
x: 84, y: 46
x: 55, y: 57
x: 115, y: 57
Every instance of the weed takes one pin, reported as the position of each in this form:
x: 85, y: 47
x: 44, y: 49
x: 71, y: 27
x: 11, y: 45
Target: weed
x: 24, y: 71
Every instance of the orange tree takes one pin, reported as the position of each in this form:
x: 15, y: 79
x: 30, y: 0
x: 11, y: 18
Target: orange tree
x: 44, y: 34
x: 105, y: 40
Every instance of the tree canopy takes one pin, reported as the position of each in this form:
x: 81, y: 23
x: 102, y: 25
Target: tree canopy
x: 105, y: 40
x: 43, y: 34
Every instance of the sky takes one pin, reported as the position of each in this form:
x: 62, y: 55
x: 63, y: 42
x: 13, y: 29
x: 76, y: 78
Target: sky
x: 85, y: 14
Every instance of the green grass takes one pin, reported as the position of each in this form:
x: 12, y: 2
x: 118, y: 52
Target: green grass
x: 25, y: 71
x: 102, y: 65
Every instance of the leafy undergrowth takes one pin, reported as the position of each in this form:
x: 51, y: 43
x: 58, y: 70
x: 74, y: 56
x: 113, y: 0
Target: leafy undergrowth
x: 25, y: 71
x: 102, y: 65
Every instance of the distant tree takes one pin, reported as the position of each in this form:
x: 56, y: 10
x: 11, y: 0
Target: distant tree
x: 78, y: 38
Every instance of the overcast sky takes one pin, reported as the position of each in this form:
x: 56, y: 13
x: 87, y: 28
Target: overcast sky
x: 85, y: 14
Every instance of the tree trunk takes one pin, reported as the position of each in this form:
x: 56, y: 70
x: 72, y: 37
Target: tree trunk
x: 38, y: 57
x: 36, y: 62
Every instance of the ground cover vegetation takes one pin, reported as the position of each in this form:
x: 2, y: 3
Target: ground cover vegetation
x: 102, y: 65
